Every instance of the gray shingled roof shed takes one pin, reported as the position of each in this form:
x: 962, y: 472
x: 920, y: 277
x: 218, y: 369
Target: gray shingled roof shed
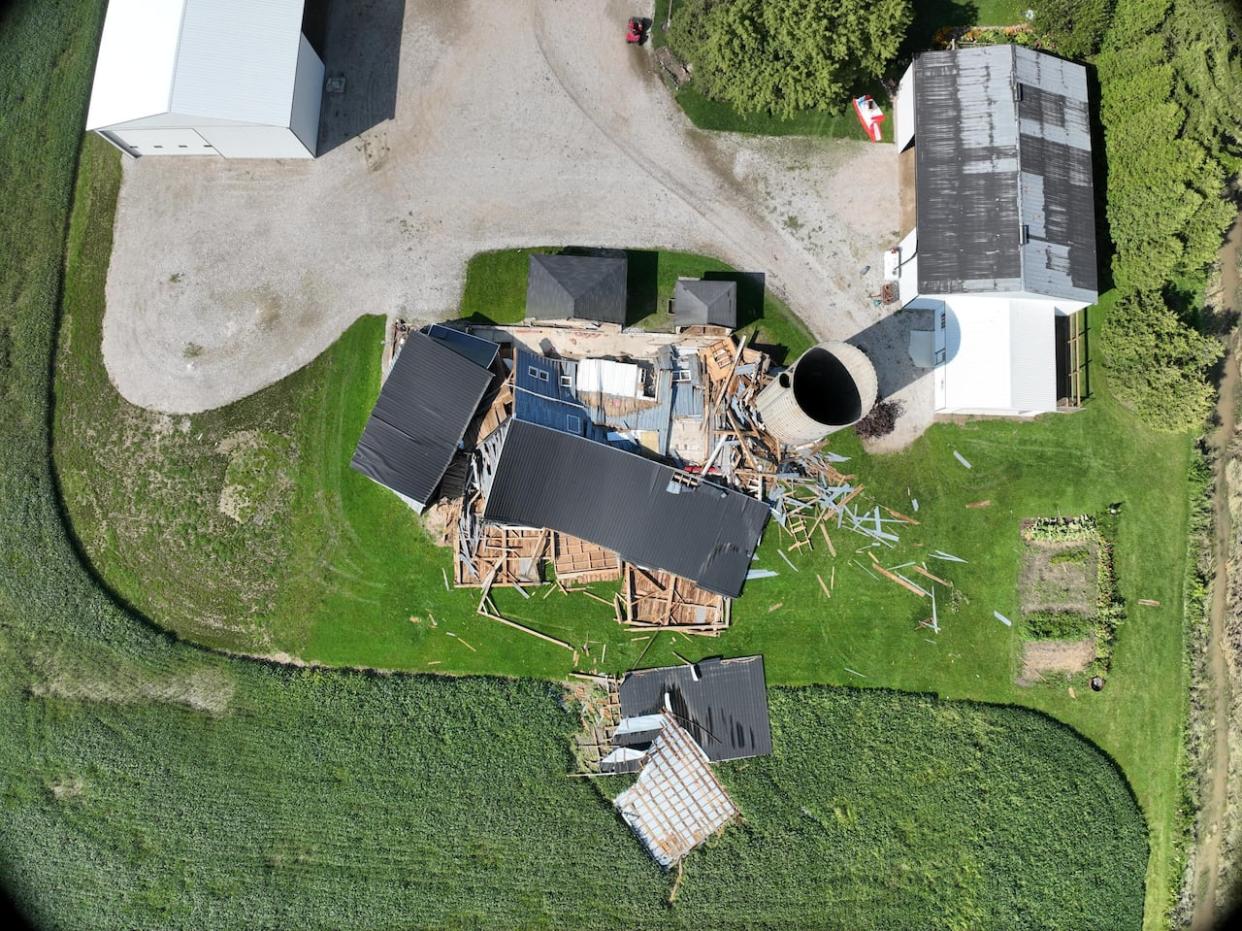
x: 576, y: 287
x: 651, y: 514
x: 426, y: 404
x: 699, y: 302
x: 1004, y: 194
x: 722, y: 703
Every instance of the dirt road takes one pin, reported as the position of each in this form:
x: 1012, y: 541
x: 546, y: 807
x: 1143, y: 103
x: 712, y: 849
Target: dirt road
x: 1208, y: 854
x: 514, y: 124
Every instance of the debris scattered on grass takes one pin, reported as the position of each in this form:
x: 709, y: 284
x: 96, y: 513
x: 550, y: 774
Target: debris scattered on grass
x: 461, y: 641
x: 444, y: 575
x: 777, y: 606
x: 760, y: 574
x: 823, y: 586
x: 1149, y: 602
x: 1004, y: 620
x: 855, y: 672
x: 962, y: 459
x: 782, y: 555
x: 948, y: 557
x: 976, y: 505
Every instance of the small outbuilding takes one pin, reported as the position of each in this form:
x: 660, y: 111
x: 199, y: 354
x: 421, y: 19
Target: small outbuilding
x: 576, y: 287
x: 701, y: 302
x: 235, y: 78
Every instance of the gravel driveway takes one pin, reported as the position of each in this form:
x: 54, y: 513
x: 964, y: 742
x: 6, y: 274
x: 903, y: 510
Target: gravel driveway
x: 528, y: 122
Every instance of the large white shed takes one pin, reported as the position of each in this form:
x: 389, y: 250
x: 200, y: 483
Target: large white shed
x: 207, y: 77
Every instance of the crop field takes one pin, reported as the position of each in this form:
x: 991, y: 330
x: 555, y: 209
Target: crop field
x: 203, y: 790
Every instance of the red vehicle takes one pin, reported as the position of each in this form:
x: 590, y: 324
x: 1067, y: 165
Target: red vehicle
x: 636, y: 30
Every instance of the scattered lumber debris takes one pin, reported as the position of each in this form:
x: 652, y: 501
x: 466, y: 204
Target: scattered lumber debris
x: 655, y: 598
x: 510, y: 556
x: 977, y: 505
x: 1149, y: 602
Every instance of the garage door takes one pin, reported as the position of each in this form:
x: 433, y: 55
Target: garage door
x: 164, y: 142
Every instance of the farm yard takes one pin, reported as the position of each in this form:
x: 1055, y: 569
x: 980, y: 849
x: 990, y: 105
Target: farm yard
x: 321, y: 591
x: 907, y: 788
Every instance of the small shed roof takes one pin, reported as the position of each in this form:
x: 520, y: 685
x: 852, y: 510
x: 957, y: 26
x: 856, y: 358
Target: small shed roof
x: 428, y: 400
x: 234, y: 61
x: 676, y: 803
x: 705, y: 303
x: 576, y: 287
x: 1004, y: 193
x: 651, y: 514
x: 723, y: 703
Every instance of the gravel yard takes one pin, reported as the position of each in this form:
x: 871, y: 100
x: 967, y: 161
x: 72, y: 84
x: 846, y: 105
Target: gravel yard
x: 523, y: 123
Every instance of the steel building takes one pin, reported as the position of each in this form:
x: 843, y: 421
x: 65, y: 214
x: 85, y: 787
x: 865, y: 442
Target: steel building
x: 235, y: 78
x: 999, y: 224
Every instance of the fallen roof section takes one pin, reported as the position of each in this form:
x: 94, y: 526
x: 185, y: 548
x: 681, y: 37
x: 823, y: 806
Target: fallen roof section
x: 651, y: 514
x: 676, y: 803
x: 424, y: 408
x: 1005, y: 201
x: 576, y: 287
x: 723, y: 703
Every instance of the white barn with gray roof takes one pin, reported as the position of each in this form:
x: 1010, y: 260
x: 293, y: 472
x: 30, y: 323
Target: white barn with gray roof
x: 1001, y: 243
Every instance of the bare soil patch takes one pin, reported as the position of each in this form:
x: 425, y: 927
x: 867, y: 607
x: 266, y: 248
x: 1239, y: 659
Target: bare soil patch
x: 1041, y: 658
x: 1059, y: 576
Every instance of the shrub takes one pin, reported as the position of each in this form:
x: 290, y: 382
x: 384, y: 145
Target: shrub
x: 1074, y: 27
x: 1157, y: 364
x: 781, y: 56
x: 1060, y: 625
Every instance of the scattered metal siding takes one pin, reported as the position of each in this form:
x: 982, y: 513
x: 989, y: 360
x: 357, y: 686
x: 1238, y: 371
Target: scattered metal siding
x: 725, y: 710
x: 546, y: 401
x: 579, y: 287
x: 427, y: 402
x: 702, y: 302
x: 647, y: 512
x: 676, y: 803
x: 1004, y: 184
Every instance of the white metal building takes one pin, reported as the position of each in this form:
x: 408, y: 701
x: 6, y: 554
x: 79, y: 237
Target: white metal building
x: 1002, y: 244
x: 207, y: 77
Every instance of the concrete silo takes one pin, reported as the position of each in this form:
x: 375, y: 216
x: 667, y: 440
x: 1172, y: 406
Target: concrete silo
x: 830, y: 386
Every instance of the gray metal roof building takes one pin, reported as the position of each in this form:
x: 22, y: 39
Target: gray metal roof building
x: 576, y: 287
x: 425, y: 406
x: 651, y: 514
x: 698, y: 302
x: 1004, y: 196
x: 722, y: 703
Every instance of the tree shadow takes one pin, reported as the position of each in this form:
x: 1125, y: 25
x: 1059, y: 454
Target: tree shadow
x: 930, y: 15
x: 360, y: 45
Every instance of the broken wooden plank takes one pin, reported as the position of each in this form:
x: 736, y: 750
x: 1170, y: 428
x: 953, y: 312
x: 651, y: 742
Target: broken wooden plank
x: 819, y: 578
x: 1149, y: 602
x: 935, y: 578
x: 978, y: 505
x: 789, y: 561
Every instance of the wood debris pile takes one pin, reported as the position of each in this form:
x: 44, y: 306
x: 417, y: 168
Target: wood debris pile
x: 577, y: 561
x: 655, y: 598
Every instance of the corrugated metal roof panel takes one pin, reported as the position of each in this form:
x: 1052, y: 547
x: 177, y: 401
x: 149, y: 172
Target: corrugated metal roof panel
x: 1004, y: 183
x: 722, y: 703
x: 424, y: 407
x: 649, y: 513
x: 676, y: 803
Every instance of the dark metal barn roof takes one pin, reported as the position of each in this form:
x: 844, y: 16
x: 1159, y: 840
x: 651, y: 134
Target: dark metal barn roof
x: 578, y: 287
x: 651, y: 514
x: 427, y: 402
x: 700, y: 302
x: 1004, y: 194
x: 722, y: 703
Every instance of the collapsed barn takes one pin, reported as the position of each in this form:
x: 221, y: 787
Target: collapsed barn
x: 651, y: 458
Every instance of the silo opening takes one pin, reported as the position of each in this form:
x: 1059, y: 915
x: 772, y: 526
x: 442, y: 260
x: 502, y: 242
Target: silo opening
x: 825, y: 390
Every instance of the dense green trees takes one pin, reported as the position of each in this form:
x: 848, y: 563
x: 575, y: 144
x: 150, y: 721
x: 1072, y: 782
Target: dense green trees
x: 1170, y: 100
x: 1075, y: 27
x: 1157, y: 362
x: 780, y: 56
